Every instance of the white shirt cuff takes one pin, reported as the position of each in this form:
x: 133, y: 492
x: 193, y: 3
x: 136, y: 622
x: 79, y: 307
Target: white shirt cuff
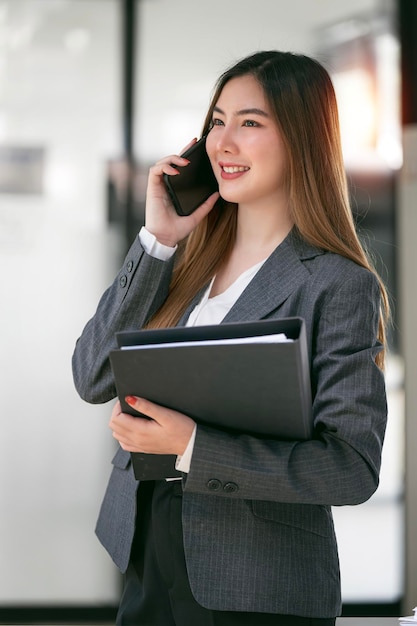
x: 183, y: 462
x: 152, y: 246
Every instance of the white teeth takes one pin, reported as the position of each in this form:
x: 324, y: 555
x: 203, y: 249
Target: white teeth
x: 234, y: 169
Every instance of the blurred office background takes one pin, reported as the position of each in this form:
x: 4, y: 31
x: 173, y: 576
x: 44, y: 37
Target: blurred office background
x: 91, y: 92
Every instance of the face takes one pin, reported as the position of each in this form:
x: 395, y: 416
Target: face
x: 245, y: 146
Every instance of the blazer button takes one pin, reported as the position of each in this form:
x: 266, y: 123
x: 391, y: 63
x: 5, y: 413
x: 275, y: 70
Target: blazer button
x: 129, y: 266
x: 230, y: 487
x: 123, y: 280
x: 214, y: 484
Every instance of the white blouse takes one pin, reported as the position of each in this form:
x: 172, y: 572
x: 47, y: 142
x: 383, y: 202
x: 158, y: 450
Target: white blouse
x: 212, y: 310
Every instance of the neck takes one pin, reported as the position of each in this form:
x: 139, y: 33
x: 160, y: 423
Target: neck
x: 263, y: 228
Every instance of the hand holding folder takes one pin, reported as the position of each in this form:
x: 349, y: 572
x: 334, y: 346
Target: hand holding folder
x: 257, y: 386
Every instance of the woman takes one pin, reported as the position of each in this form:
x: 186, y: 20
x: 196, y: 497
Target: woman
x: 278, y: 242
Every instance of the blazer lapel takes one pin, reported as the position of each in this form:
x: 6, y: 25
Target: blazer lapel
x: 281, y: 274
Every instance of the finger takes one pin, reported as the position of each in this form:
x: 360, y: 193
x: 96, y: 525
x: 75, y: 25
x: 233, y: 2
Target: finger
x: 172, y: 159
x: 178, y: 159
x: 189, y: 145
x: 140, y: 404
x: 122, y: 422
x: 163, y: 167
x: 206, y: 207
x: 128, y: 444
x: 116, y: 409
x: 154, y: 411
x: 211, y: 200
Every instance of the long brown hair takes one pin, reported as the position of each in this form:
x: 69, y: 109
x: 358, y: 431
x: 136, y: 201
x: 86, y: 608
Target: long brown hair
x: 301, y: 96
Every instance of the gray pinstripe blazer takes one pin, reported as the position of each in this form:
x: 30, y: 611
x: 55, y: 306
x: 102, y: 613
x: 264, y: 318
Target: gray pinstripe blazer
x: 269, y: 545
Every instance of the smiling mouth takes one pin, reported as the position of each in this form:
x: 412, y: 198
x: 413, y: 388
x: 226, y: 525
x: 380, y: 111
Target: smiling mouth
x: 234, y: 169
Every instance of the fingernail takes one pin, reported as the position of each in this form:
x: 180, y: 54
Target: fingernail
x: 130, y: 400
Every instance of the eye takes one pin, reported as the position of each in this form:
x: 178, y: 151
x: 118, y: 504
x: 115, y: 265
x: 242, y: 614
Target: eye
x: 250, y: 123
x: 216, y: 122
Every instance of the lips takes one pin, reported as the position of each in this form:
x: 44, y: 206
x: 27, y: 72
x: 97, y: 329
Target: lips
x: 230, y: 171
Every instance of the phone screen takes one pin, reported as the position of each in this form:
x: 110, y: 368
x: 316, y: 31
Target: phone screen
x: 195, y: 182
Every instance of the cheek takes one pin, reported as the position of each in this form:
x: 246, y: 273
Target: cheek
x: 280, y: 160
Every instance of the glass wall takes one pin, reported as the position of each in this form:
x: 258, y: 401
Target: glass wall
x: 59, y: 123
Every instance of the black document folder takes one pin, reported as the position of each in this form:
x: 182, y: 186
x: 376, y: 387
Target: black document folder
x: 257, y: 388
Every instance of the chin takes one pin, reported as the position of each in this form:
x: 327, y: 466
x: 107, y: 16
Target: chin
x: 229, y: 196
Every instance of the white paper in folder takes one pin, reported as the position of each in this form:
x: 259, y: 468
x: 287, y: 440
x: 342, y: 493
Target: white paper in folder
x: 410, y: 619
x: 278, y: 338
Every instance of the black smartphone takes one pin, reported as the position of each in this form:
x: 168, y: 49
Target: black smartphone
x: 195, y: 182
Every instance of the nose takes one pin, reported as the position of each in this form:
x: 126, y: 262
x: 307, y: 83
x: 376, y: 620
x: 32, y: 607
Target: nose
x: 226, y: 141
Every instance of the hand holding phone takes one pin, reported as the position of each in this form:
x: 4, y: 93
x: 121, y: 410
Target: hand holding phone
x: 195, y: 182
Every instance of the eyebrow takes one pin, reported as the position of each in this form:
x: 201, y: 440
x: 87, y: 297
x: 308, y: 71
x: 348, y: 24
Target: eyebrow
x: 253, y: 111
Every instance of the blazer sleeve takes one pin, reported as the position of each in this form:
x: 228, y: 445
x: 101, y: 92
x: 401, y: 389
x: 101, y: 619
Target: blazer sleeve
x: 137, y: 292
x: 340, y: 465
